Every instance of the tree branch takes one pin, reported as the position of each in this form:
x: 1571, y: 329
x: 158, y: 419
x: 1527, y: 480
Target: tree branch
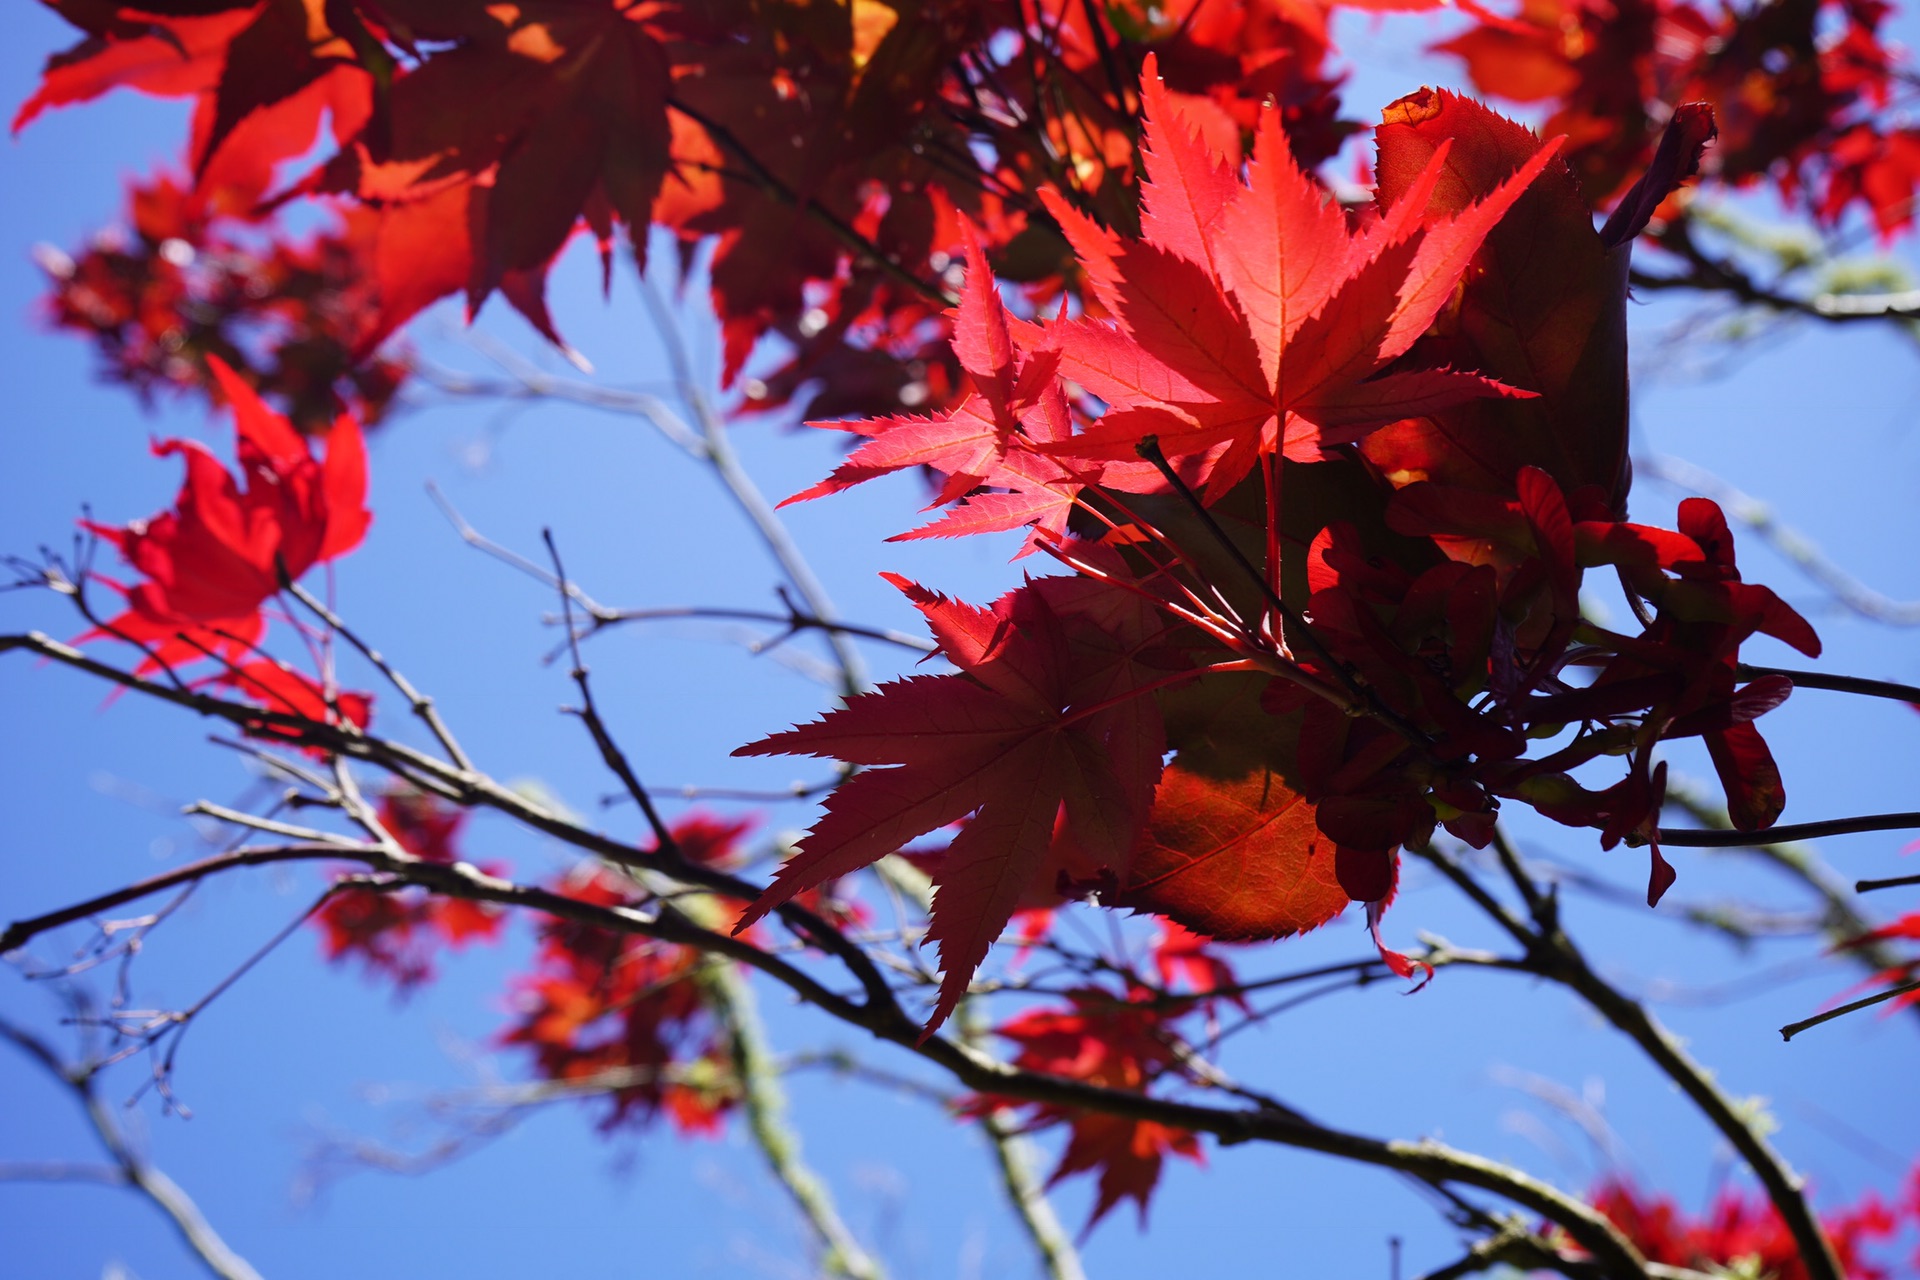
x: 793, y: 621
x: 766, y: 1106
x: 1014, y: 1159
x: 20, y: 932
x: 133, y: 1169
x: 1554, y: 956
x: 1013, y: 1156
x: 1836, y: 684
x: 1845, y: 925
x: 879, y: 1012
x: 1426, y: 1159
x: 1786, y: 541
x: 1717, y: 275
x: 719, y: 454
x: 421, y: 704
x: 610, y: 752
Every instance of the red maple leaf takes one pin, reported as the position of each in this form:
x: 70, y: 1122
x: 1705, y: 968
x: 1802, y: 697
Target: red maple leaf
x: 297, y: 317
x: 1042, y: 727
x: 1254, y: 320
x: 1183, y: 956
x: 1235, y: 857
x: 1563, y: 332
x: 602, y: 1003
x: 219, y: 554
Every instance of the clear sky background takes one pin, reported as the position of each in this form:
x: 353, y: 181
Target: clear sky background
x: 1820, y: 423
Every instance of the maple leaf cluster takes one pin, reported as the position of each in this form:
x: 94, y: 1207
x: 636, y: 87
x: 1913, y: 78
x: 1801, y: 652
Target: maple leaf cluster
x: 599, y: 1004
x: 825, y: 147
x: 188, y: 284
x: 1799, y: 89
x: 211, y: 564
x: 1742, y: 1235
x: 1120, y: 1044
x: 396, y: 933
x: 1330, y: 482
x: 633, y: 1016
x: 828, y: 152
x: 1129, y: 1043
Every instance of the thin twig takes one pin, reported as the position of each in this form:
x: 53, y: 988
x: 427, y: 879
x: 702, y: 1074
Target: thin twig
x: 480, y: 542
x: 163, y: 1192
x: 1891, y: 882
x: 1687, y: 837
x: 720, y: 455
x: 1846, y: 927
x: 793, y: 621
x: 610, y: 751
x: 421, y: 704
x: 1793, y: 1029
x: 20, y: 932
x: 111, y: 1175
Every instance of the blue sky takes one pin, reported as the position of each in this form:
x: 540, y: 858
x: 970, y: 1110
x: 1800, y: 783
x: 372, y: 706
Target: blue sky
x: 1821, y: 425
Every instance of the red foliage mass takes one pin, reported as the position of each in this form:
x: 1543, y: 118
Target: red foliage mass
x: 396, y: 935
x: 297, y: 319
x: 826, y: 149
x: 1746, y: 1233
x: 1255, y: 334
x: 1117, y: 1044
x: 629, y: 1011
x: 1330, y: 477
x: 481, y: 137
x: 1795, y: 86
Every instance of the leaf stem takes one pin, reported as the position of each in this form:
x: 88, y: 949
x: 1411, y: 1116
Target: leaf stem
x: 1149, y: 449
